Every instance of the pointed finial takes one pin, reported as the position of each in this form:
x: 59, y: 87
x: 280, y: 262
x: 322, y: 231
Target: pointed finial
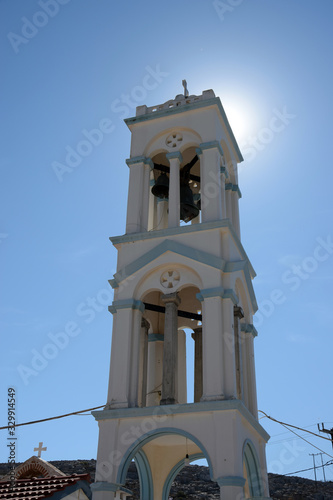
x: 184, y: 83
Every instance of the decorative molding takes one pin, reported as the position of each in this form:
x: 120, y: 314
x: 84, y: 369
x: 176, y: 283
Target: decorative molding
x: 215, y: 101
x: 249, y: 328
x: 234, y: 188
x: 203, y: 406
x: 210, y: 292
x: 155, y: 337
x: 231, y: 481
x: 126, y: 304
x: 169, y: 246
x: 212, y: 145
x: 174, y: 155
x: 173, y: 231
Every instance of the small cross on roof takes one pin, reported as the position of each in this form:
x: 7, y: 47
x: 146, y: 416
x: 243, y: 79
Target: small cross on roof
x: 40, y: 449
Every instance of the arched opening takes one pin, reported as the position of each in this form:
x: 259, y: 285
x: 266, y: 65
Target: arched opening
x: 253, y: 487
x: 159, y: 457
x: 189, y: 178
x: 188, y: 352
x: 193, y: 479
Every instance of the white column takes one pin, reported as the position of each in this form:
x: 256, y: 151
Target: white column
x: 121, y: 357
x: 170, y: 349
x: 223, y: 193
x: 152, y: 210
x: 229, y: 349
x: 228, y: 201
x: 210, y: 182
x: 135, y: 195
x: 182, y: 386
x: 146, y: 194
x: 212, y: 346
x: 243, y: 337
x: 162, y: 214
x: 175, y: 160
x: 253, y: 405
x: 238, y: 315
x: 135, y: 358
x: 235, y: 209
x: 197, y: 337
x: 142, y: 379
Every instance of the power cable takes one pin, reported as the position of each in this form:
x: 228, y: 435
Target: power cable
x: 51, y: 418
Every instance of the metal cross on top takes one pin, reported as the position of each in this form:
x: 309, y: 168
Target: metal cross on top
x: 184, y: 83
x: 40, y: 449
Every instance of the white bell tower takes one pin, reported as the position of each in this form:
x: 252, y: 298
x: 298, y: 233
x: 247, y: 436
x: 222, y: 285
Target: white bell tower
x: 181, y: 266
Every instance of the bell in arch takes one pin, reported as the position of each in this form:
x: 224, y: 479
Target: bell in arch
x: 161, y: 186
x: 188, y: 209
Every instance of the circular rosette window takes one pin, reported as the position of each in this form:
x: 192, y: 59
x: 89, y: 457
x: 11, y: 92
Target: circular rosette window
x: 170, y: 279
x: 173, y: 140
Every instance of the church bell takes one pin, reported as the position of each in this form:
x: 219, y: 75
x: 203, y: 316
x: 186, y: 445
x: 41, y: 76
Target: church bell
x: 188, y: 209
x: 161, y: 187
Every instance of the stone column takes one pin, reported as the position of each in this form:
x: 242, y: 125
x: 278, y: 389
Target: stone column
x: 143, y: 362
x: 238, y: 315
x: 170, y: 350
x: 181, y: 390
x: 197, y: 336
x: 175, y: 160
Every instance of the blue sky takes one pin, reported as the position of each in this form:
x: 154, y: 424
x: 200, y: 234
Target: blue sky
x: 87, y: 65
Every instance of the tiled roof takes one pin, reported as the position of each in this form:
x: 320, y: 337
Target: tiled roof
x: 44, y: 487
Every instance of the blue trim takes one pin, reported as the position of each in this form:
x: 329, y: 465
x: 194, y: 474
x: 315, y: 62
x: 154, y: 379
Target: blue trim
x: 155, y: 337
x: 145, y: 476
x: 126, y: 304
x: 175, y: 471
x: 230, y: 294
x: 249, y: 328
x: 140, y: 159
x: 152, y: 411
x: 224, y: 171
x: 252, y: 466
x: 210, y: 292
x: 149, y: 436
x: 215, y: 101
x: 212, y: 145
x: 81, y: 484
x: 198, y: 151
x: 173, y: 155
x: 242, y: 265
x: 169, y: 246
x: 149, y: 161
x: 113, y: 283
x: 135, y: 159
x: 180, y: 230
x: 234, y: 188
x: 152, y: 182
x: 231, y: 481
x: 105, y: 486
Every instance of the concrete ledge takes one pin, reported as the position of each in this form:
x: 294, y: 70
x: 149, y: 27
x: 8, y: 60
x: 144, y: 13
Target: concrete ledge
x: 183, y: 409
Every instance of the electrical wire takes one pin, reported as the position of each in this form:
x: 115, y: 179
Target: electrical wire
x: 294, y: 426
x: 51, y: 418
x: 310, y: 468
